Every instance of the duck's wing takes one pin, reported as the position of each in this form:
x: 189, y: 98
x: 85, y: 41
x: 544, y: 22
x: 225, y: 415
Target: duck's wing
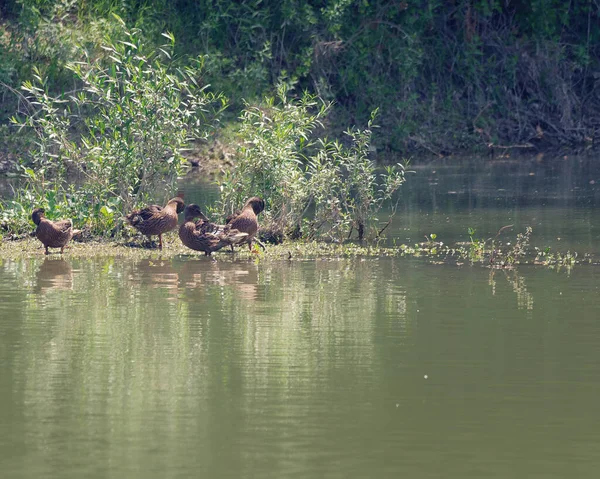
x: 149, y: 211
x: 221, y: 240
x: 63, y: 225
x: 232, y: 237
x: 210, y: 228
x: 232, y: 217
x: 138, y: 216
x: 245, y: 222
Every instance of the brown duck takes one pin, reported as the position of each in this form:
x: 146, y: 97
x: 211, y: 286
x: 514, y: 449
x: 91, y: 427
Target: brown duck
x: 246, y: 220
x: 205, y: 236
x: 53, y: 234
x: 155, y: 220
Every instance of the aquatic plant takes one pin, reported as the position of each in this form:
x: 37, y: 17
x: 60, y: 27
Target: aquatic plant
x: 519, y: 249
x: 556, y: 259
x: 346, y: 188
x: 476, y: 251
x: 493, y: 250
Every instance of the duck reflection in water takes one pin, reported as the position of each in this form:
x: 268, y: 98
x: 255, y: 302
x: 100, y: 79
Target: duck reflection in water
x: 192, y: 279
x: 155, y: 274
x: 196, y: 276
x: 54, y: 273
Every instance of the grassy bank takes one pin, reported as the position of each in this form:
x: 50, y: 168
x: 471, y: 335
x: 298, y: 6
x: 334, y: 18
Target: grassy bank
x: 501, y: 256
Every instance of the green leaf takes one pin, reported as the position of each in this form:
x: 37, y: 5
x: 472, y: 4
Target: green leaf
x: 106, y: 211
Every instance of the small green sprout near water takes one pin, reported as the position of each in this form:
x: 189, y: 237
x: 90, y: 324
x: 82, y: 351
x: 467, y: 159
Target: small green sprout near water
x: 431, y: 246
x: 476, y: 247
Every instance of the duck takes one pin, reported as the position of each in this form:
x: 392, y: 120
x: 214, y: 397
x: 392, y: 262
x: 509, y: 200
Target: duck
x: 202, y: 235
x: 246, y: 220
x: 154, y: 220
x: 52, y: 234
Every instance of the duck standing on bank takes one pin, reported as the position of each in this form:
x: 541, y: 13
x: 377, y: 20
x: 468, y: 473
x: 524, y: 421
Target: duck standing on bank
x: 154, y: 220
x: 52, y: 234
x: 246, y: 221
x: 205, y: 236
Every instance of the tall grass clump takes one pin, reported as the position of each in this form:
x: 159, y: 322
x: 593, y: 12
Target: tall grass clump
x: 313, y: 187
x: 117, y: 139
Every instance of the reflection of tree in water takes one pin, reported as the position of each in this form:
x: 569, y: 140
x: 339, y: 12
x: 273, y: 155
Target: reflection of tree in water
x: 53, y: 273
x: 313, y: 317
x: 189, y: 334
x: 517, y: 282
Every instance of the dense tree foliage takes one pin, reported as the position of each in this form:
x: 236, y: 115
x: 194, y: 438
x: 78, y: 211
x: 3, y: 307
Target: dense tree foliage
x: 445, y: 74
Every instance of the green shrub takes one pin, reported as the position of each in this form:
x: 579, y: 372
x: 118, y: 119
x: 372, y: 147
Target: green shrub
x: 345, y: 187
x: 272, y: 139
x: 120, y: 136
x: 311, y: 187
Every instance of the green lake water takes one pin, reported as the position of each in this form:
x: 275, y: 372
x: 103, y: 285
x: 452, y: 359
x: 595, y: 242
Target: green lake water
x: 391, y: 367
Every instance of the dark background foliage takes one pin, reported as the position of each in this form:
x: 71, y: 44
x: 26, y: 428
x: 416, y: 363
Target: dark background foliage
x: 446, y: 75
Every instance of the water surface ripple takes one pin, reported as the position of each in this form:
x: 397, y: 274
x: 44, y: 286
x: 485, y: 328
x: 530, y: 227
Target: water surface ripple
x: 355, y: 368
